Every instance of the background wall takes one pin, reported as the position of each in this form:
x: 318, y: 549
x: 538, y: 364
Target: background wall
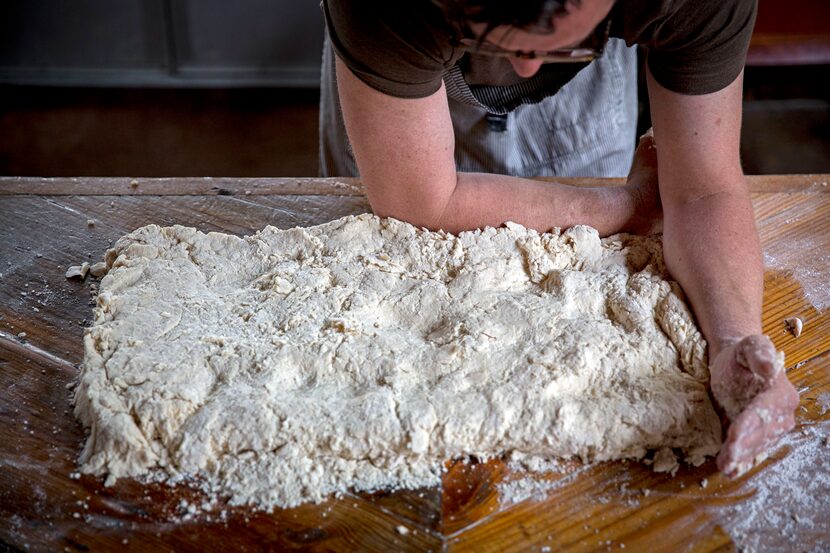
x: 216, y: 88
x: 161, y: 43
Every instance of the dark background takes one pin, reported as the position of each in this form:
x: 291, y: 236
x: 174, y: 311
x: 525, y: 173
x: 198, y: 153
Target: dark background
x: 216, y: 88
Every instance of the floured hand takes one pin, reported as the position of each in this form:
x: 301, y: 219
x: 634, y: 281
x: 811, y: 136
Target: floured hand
x: 749, y: 383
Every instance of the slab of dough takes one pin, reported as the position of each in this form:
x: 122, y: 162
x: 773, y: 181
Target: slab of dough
x: 362, y: 353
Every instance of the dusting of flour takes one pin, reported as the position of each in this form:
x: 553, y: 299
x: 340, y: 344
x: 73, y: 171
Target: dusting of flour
x: 362, y: 353
x: 804, y: 253
x: 787, y: 510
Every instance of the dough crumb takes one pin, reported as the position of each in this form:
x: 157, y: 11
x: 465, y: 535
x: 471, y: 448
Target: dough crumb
x: 78, y: 271
x: 402, y: 530
x: 90, y: 222
x: 98, y: 269
x: 704, y: 483
x: 794, y: 325
x: 665, y: 461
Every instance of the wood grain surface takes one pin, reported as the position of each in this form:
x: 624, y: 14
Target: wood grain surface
x: 49, y: 224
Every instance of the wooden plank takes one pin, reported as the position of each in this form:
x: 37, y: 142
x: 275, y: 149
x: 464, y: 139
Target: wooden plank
x: 784, y: 298
x: 812, y: 183
x: 469, y: 492
x: 196, y: 186
x: 795, y: 235
x: 420, y: 508
x: 44, y: 234
x: 221, y: 186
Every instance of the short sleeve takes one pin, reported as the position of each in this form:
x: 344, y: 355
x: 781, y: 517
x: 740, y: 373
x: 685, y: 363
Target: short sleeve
x: 700, y: 46
x: 399, y: 49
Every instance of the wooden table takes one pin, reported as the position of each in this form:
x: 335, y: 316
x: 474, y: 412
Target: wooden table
x: 49, y: 224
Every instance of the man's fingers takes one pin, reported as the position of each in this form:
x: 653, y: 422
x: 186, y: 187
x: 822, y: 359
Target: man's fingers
x: 758, y: 354
x: 727, y: 463
x: 646, y: 153
x: 746, y: 439
x: 739, y: 447
x: 787, y: 396
x: 758, y: 427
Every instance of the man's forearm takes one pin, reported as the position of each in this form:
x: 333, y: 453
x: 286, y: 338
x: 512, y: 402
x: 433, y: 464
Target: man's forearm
x: 404, y: 149
x: 711, y: 248
x: 480, y: 200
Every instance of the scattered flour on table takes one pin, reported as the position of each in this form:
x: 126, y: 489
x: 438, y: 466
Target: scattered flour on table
x: 291, y: 364
x: 802, y: 252
x: 528, y: 480
x: 812, y: 276
x: 790, y: 509
x: 531, y: 484
x: 527, y: 488
x: 783, y: 506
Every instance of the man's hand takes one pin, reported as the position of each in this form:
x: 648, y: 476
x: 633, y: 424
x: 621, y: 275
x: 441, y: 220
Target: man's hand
x: 643, y: 185
x: 749, y: 383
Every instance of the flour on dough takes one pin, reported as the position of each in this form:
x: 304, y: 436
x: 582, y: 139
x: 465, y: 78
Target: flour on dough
x: 362, y: 353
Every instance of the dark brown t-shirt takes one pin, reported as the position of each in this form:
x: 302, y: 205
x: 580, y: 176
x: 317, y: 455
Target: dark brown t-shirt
x: 403, y: 48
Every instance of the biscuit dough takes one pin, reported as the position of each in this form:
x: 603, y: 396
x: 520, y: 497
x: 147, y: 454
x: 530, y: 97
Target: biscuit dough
x: 362, y: 353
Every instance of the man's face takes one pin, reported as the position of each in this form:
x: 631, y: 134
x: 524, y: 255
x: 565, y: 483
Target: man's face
x: 570, y: 29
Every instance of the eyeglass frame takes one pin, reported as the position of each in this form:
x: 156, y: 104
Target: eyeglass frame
x: 575, y: 54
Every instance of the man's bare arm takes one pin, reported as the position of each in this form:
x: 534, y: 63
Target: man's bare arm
x: 404, y: 150
x: 711, y: 247
x: 711, y: 244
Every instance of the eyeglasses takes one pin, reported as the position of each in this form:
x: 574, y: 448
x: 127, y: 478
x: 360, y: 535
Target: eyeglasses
x: 590, y: 49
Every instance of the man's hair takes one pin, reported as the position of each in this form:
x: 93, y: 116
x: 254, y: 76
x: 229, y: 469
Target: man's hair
x: 530, y: 15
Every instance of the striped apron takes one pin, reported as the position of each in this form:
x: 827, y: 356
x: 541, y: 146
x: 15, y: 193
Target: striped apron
x: 586, y: 128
